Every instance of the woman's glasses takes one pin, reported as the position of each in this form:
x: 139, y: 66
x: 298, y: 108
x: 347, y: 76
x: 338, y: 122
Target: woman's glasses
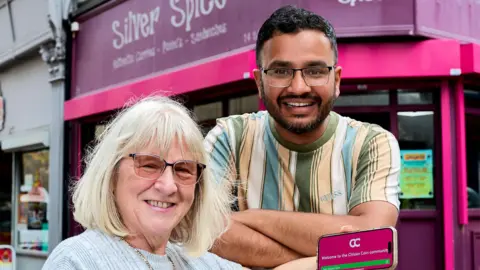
x: 151, y: 167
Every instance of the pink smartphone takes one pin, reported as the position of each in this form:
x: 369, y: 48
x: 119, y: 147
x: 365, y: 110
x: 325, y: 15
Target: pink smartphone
x: 361, y: 250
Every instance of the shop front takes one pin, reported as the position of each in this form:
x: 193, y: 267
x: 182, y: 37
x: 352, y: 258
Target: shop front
x: 24, y: 162
x: 205, y: 54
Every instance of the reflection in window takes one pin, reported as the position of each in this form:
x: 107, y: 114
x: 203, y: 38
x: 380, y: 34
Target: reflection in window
x: 472, y: 122
x: 99, y: 129
x: 32, y: 223
x: 417, y: 175
x: 208, y: 111
x: 412, y: 97
x: 6, y: 198
x: 472, y: 98
x: 382, y: 118
x: 373, y: 98
x: 243, y: 105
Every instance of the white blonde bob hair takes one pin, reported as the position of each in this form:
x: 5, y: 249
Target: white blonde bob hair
x: 159, y: 121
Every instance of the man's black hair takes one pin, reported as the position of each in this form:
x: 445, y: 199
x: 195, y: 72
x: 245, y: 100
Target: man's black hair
x: 291, y: 19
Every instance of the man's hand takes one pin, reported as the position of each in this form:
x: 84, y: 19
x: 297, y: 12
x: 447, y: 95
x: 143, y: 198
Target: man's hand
x: 309, y: 263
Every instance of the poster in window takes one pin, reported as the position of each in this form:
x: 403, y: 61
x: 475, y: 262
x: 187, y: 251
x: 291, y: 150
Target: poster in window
x: 34, y: 234
x: 416, y: 174
x: 37, y: 215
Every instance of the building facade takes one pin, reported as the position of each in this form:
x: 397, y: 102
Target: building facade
x: 30, y: 128
x: 405, y: 67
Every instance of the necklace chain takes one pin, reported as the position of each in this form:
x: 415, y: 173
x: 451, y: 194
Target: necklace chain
x: 145, y: 258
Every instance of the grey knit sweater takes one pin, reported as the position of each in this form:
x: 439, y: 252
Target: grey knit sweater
x: 93, y: 249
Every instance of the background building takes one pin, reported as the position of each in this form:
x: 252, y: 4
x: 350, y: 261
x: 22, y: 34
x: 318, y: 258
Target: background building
x: 399, y: 72
x: 31, y: 129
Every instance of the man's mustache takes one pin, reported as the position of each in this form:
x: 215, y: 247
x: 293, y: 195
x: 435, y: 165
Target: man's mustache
x: 316, y: 99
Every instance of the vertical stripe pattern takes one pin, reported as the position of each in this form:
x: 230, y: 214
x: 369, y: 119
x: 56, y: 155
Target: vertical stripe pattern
x: 353, y: 162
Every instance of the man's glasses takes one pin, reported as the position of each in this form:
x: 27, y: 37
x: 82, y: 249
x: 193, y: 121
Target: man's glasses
x: 313, y: 76
x: 151, y: 167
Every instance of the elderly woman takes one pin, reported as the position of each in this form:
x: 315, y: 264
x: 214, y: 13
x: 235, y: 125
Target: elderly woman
x: 146, y: 198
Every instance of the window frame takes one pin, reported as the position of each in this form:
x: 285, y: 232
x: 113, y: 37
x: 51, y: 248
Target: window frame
x: 393, y: 108
x: 225, y: 101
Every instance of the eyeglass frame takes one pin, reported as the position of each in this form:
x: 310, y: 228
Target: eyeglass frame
x: 330, y: 68
x: 200, y: 166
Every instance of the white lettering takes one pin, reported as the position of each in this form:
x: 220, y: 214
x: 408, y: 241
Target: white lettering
x: 171, y: 45
x: 379, y: 251
x: 203, y: 10
x: 352, y: 2
x: 353, y: 254
x: 123, y: 61
x: 355, y: 242
x: 145, y: 54
x: 206, y: 33
x: 117, y: 43
x: 135, y: 27
x: 194, y: 9
x: 179, y: 10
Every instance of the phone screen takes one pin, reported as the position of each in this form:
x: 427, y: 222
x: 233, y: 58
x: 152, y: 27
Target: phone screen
x: 358, y: 250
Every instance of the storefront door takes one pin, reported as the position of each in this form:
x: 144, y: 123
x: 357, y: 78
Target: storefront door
x: 6, y: 198
x: 412, y: 117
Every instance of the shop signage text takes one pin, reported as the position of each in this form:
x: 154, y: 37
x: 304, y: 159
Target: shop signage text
x: 354, y: 2
x: 140, y: 38
x: 138, y: 25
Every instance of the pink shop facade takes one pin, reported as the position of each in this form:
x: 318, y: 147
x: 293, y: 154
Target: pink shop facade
x: 405, y: 66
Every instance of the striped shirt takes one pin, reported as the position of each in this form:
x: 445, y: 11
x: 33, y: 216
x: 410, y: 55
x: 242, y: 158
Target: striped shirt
x: 94, y: 249
x: 351, y: 163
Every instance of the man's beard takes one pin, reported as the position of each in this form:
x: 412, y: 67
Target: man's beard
x: 324, y: 109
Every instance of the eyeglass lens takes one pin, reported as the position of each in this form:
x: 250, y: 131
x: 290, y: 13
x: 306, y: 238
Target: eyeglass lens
x: 152, y: 167
x: 313, y: 76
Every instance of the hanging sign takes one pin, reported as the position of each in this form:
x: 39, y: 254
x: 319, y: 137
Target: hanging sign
x: 416, y: 174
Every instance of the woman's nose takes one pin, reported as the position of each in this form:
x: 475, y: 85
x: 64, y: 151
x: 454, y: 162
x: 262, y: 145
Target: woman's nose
x: 166, y: 182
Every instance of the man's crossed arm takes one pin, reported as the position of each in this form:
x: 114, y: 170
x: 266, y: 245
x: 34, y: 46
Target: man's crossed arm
x: 267, y: 238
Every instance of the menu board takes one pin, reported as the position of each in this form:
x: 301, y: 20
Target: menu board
x: 416, y: 174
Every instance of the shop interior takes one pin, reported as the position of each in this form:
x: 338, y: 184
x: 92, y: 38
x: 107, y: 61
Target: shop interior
x: 472, y: 122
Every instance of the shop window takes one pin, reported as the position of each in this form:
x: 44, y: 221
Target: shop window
x: 472, y: 98
x: 379, y: 118
x: 242, y: 105
x: 413, y: 97
x: 6, y: 198
x: 472, y: 122
x: 417, y: 175
x: 208, y: 111
x: 372, y: 98
x: 99, y: 129
x: 32, y: 200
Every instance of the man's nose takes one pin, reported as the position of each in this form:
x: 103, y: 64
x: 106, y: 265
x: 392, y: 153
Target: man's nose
x: 298, y: 85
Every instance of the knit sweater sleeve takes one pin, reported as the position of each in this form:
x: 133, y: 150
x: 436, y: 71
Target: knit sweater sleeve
x: 65, y: 257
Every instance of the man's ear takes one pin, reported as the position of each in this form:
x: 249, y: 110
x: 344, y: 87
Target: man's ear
x: 338, y: 78
x: 257, y: 74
